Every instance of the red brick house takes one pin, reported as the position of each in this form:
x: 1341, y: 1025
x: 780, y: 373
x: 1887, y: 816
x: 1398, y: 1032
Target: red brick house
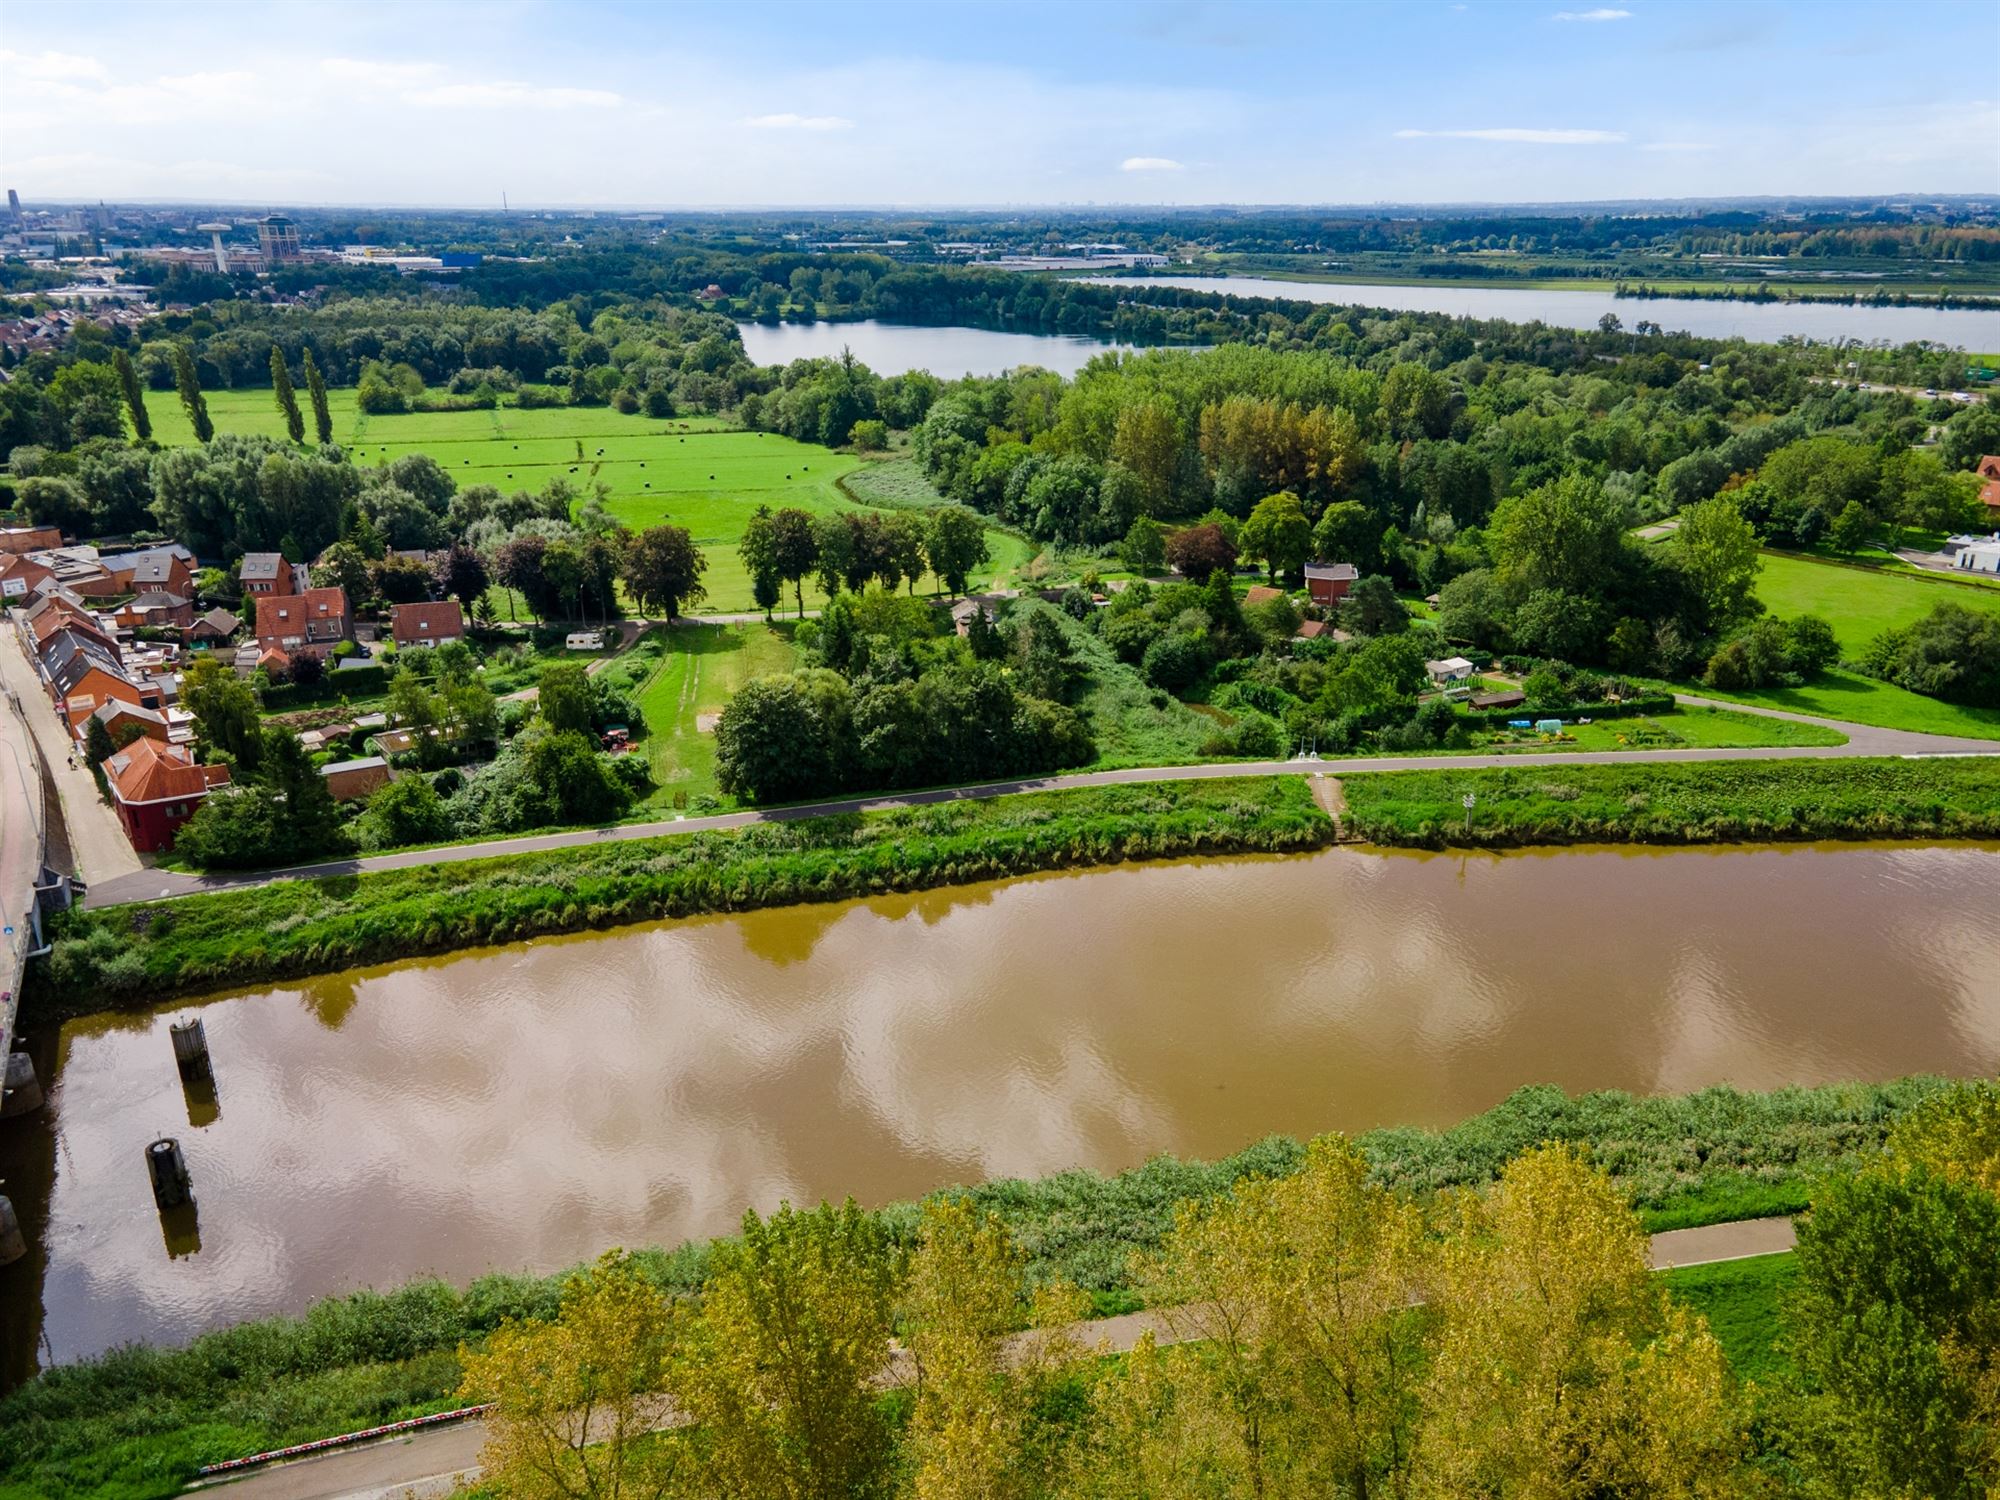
x: 1988, y: 467
x: 154, y: 610
x: 1329, y: 582
x: 29, y: 538
x: 426, y: 624
x: 271, y: 573
x: 156, y: 788
x: 21, y: 576
x: 167, y: 569
x: 308, y: 624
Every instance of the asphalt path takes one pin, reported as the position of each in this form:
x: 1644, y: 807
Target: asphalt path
x: 1862, y: 740
x: 445, y: 1459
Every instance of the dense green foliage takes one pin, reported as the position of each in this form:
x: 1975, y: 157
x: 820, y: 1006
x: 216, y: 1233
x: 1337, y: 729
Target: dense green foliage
x: 1730, y: 802
x: 134, y: 1422
x: 137, y: 953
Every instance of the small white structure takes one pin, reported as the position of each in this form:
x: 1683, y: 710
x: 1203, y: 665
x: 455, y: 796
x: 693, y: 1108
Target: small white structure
x: 1451, y: 669
x: 585, y: 640
x: 1980, y: 557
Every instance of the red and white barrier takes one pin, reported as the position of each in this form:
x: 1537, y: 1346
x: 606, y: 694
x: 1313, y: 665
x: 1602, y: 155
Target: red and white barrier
x: 346, y: 1439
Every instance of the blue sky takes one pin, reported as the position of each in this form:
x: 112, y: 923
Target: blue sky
x: 1182, y: 101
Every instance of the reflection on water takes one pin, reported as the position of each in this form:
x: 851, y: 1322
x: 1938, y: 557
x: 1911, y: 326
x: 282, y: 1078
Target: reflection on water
x: 897, y: 348
x: 525, y: 1107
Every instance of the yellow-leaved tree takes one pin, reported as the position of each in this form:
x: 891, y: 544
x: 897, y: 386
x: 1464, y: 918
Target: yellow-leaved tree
x: 577, y: 1398
x: 981, y: 1428
x: 1559, y: 1367
x: 779, y: 1374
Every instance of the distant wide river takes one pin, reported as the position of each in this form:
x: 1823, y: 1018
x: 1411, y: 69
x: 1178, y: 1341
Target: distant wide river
x: 525, y: 1107
x: 1974, y: 329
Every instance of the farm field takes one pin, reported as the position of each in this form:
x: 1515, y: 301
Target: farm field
x: 701, y: 669
x: 693, y: 471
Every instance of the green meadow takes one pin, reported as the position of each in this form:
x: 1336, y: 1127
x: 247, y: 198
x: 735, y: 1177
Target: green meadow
x: 695, y: 472
x: 1861, y: 603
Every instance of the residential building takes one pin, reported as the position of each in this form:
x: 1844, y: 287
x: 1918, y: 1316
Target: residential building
x: 114, y: 714
x: 1262, y: 594
x: 270, y: 573
x: 154, y: 609
x: 212, y: 629
x: 57, y: 610
x: 169, y: 568
x: 20, y: 539
x: 21, y: 576
x: 312, y: 623
x: 1329, y: 582
x: 1988, y: 466
x: 156, y: 788
x: 81, y: 673
x: 426, y: 624
x: 354, y: 780
x: 1451, y: 669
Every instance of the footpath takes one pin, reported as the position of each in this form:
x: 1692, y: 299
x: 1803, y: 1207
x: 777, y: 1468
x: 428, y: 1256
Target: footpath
x: 435, y: 1463
x: 1862, y: 740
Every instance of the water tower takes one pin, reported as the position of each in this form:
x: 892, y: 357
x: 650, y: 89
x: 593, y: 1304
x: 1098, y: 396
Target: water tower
x: 215, y: 232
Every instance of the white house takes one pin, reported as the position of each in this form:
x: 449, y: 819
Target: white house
x: 1451, y: 669
x: 1980, y: 557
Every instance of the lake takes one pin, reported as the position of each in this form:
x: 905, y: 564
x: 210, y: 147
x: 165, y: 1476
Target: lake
x: 525, y: 1107
x: 897, y: 348
x: 1976, y: 329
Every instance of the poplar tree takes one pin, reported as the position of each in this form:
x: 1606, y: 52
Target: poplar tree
x: 189, y: 385
x: 135, y: 398
x: 316, y: 389
x: 288, y: 399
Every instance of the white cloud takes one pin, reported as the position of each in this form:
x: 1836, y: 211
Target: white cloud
x: 1677, y: 146
x: 799, y: 122
x: 1602, y: 13
x: 508, y: 95
x: 371, y: 73
x: 52, y: 65
x: 1527, y: 137
x: 1149, y: 164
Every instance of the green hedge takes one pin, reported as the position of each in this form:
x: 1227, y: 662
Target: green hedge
x: 1666, y: 802
x: 143, y: 954
x: 1631, y: 708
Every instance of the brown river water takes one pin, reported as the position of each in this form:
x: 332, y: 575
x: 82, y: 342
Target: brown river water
x: 525, y: 1107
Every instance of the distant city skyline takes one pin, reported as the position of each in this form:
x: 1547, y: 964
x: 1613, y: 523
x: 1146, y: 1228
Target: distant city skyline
x: 621, y: 105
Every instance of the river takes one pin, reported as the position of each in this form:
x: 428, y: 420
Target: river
x: 897, y: 348
x: 525, y: 1107
x: 1976, y: 329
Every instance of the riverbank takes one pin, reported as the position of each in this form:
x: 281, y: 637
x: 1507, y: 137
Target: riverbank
x: 107, y: 957
x: 138, y: 1421
x: 1737, y: 802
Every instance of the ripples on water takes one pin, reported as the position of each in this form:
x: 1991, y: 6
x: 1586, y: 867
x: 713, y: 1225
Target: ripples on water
x: 526, y: 1107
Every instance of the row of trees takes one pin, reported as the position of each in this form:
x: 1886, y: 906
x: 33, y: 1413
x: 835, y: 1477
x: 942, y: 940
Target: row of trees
x: 852, y: 549
x: 1318, y: 1335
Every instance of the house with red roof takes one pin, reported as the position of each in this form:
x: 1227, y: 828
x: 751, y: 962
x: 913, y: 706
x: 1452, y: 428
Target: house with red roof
x: 156, y: 788
x: 307, y: 624
x: 426, y: 624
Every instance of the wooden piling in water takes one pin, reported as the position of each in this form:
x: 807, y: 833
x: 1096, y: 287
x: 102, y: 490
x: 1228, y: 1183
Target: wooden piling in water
x: 190, y: 1041
x: 167, y: 1169
x: 12, y: 1245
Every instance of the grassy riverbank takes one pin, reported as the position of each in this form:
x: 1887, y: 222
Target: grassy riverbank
x: 135, y: 1423
x: 1769, y: 801
x: 144, y: 954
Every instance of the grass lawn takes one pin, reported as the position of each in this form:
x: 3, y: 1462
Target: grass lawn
x: 696, y: 472
x: 1740, y: 1299
x: 702, y: 667
x: 1862, y: 700
x: 1859, y: 603
x: 1703, y: 728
